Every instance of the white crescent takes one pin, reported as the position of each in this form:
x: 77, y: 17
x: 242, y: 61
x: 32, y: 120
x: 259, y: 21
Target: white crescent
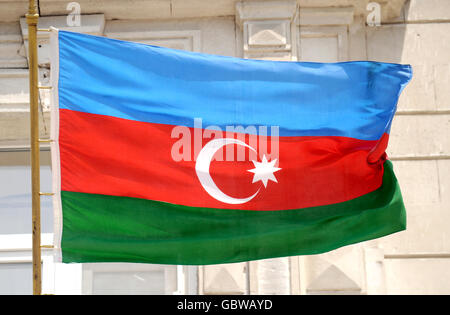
x: 202, y: 169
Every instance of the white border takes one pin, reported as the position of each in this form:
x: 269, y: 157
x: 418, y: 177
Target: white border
x: 54, y: 146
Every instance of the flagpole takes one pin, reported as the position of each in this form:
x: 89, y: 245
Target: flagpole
x: 32, y: 18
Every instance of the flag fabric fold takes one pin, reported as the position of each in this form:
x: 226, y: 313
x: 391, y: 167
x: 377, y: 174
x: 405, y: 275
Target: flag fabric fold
x: 173, y: 157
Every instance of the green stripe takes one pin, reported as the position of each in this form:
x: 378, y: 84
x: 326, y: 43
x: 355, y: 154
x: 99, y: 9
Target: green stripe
x: 99, y: 228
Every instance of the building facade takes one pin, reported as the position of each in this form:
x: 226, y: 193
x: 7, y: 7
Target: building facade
x: 416, y: 32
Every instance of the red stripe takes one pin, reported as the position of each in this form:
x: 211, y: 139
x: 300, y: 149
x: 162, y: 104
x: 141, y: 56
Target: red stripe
x: 114, y: 156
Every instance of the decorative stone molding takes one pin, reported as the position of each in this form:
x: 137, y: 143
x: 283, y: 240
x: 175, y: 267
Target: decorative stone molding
x: 224, y: 279
x: 325, y: 16
x: 184, y: 39
x: 338, y: 272
x: 325, y: 31
x: 329, y: 42
x: 268, y: 31
x: 264, y: 10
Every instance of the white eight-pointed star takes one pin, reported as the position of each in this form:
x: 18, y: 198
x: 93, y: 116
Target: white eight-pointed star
x: 264, y: 171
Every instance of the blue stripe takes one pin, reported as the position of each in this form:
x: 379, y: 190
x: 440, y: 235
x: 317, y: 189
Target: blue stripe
x: 159, y: 85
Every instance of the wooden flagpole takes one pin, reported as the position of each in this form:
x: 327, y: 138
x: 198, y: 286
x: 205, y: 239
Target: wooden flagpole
x: 32, y: 18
